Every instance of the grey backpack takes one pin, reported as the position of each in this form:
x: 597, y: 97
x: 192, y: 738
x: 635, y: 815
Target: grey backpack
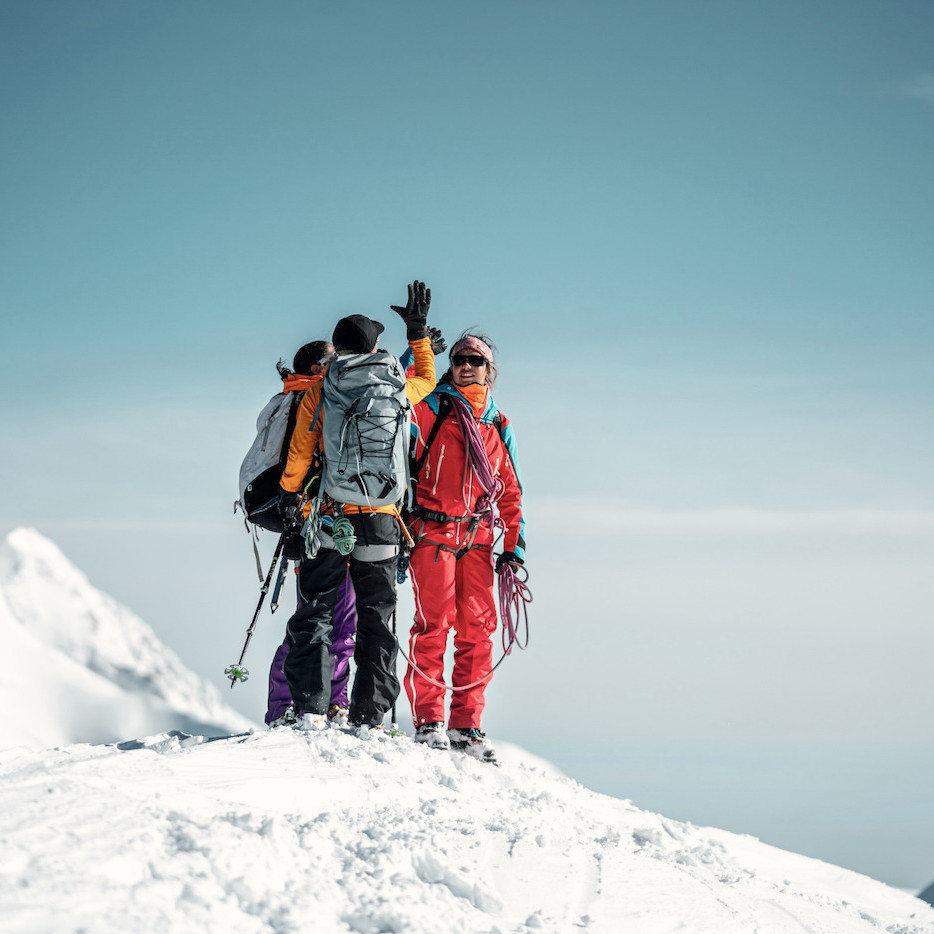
x: 262, y: 467
x: 365, y: 429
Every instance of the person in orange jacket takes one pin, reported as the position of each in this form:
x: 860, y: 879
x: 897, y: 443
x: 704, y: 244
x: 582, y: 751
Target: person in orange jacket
x: 373, y: 559
x: 308, y: 367
x: 452, y: 567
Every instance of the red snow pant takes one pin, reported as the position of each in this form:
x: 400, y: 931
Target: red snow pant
x: 451, y: 592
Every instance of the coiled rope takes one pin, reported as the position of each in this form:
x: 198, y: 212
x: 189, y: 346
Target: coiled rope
x: 514, y: 598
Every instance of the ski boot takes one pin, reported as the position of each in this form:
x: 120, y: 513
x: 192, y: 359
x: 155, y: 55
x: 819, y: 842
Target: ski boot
x: 474, y: 743
x: 433, y: 736
x: 288, y: 718
x: 337, y: 716
x: 312, y: 722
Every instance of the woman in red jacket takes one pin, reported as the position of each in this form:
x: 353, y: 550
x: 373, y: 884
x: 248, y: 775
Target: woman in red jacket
x: 455, y: 525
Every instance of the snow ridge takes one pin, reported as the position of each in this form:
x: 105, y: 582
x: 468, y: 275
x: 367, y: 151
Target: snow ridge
x: 47, y: 604
x: 285, y: 832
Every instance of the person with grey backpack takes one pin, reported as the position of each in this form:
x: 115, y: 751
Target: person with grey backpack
x: 357, y: 420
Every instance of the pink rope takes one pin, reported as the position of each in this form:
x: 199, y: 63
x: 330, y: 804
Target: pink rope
x: 451, y: 687
x: 480, y: 461
x: 514, y: 599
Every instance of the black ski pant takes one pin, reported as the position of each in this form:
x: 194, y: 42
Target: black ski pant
x: 307, y: 667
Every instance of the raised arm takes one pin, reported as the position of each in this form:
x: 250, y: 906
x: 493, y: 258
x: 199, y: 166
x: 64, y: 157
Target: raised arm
x: 424, y: 379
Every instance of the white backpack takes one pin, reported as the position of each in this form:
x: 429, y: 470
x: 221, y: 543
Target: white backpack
x: 262, y: 467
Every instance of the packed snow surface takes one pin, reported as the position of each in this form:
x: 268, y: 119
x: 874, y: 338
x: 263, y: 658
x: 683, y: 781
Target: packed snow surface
x: 285, y: 831
x: 332, y: 831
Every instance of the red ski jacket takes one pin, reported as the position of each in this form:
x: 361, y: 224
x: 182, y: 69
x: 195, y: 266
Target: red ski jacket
x: 448, y: 484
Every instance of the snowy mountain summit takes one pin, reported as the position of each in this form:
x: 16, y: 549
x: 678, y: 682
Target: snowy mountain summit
x: 79, y: 667
x: 132, y: 826
x: 327, y: 832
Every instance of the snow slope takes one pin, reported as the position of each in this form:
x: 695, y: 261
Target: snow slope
x: 330, y: 832
x: 78, y: 667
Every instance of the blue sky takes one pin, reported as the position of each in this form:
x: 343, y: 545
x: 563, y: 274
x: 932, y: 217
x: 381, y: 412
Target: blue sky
x: 701, y: 236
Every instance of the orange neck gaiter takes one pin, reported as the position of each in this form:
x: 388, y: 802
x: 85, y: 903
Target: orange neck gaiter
x: 476, y: 396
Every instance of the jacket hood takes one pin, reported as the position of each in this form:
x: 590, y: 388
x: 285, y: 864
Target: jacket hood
x: 297, y: 383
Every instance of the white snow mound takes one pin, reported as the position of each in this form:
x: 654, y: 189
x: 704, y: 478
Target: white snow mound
x: 328, y: 832
x: 333, y: 832
x: 79, y: 667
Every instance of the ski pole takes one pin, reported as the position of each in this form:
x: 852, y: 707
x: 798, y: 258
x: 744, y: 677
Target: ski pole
x: 238, y: 672
x: 394, y: 726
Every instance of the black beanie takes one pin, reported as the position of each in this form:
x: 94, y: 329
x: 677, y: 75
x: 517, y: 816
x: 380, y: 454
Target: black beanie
x: 356, y: 333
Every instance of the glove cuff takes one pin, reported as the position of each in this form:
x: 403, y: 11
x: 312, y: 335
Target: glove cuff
x: 416, y: 333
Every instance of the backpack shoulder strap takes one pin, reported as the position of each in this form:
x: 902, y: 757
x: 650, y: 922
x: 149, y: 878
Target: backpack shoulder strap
x: 314, y: 418
x: 290, y: 426
x: 444, y: 407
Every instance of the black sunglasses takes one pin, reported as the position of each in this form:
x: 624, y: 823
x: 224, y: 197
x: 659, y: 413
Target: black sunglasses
x: 460, y: 359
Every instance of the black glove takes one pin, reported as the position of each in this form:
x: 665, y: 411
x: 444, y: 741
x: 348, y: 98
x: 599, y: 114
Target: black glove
x: 415, y: 313
x: 508, y: 557
x: 438, y: 343
x: 288, y: 506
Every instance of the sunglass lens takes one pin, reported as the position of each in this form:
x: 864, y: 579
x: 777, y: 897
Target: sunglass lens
x: 461, y: 359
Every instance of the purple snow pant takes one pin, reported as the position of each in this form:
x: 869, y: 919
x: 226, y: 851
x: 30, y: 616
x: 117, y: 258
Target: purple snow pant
x: 341, y: 650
